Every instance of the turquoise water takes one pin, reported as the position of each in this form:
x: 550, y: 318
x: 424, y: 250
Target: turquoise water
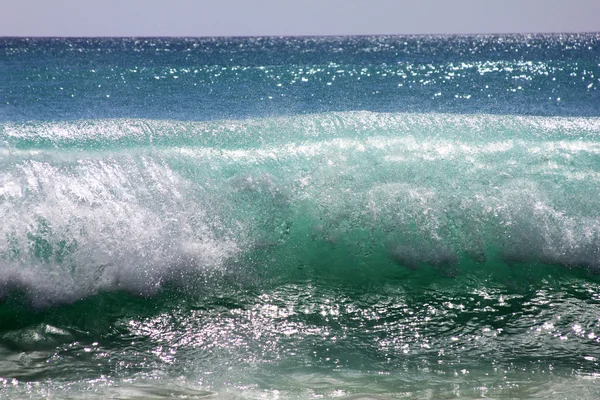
x: 370, y: 217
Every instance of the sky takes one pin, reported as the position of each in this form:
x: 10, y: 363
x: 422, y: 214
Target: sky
x: 284, y: 17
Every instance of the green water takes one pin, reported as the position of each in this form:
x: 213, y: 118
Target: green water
x: 392, y: 255
x: 300, y: 218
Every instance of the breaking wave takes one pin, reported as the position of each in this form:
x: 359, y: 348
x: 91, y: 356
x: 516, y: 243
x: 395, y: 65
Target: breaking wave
x: 110, y: 205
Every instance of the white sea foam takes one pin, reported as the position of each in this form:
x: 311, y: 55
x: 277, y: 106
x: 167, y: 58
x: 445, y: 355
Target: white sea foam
x: 78, y: 219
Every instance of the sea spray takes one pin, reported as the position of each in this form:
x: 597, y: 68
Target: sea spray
x: 131, y: 205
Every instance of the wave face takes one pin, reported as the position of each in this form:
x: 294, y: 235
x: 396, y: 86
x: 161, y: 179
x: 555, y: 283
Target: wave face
x: 389, y: 217
x: 133, y: 204
x: 404, y: 237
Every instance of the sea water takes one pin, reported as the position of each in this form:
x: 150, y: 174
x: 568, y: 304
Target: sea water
x: 274, y: 218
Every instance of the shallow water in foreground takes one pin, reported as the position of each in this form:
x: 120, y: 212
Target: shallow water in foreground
x: 417, y: 335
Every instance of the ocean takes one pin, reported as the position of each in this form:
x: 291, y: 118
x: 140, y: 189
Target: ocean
x: 381, y: 217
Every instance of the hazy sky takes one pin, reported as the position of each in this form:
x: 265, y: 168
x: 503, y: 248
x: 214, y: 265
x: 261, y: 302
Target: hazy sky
x: 283, y: 17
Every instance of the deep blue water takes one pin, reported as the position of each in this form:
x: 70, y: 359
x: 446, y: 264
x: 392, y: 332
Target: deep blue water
x: 222, y: 78
x: 354, y: 217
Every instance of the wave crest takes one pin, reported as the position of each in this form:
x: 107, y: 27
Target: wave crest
x: 91, y: 206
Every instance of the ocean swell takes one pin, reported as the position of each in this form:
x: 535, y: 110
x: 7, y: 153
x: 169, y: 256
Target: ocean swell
x: 106, y: 205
